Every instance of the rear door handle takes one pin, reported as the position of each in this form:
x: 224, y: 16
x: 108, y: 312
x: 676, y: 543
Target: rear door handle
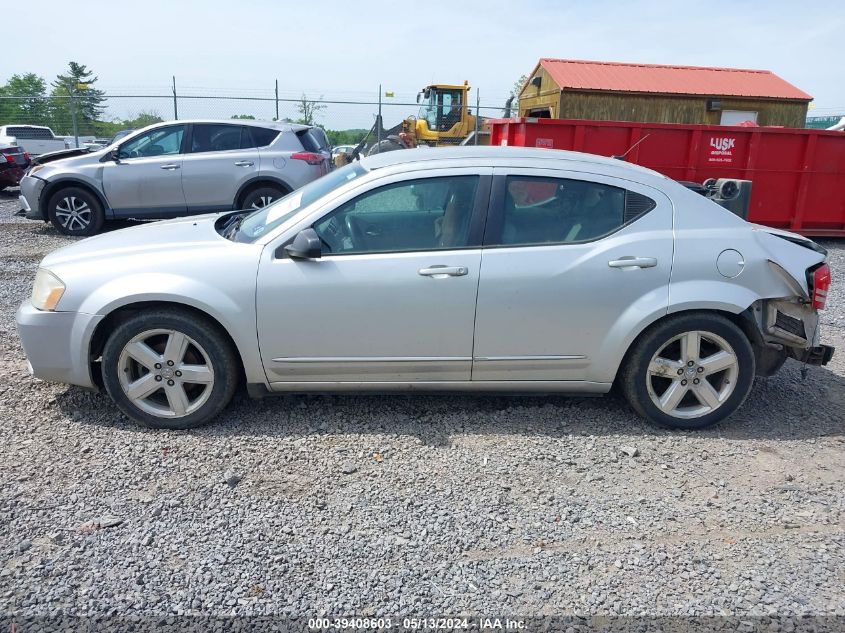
x: 170, y: 166
x: 633, y: 262
x: 244, y: 163
x: 439, y: 272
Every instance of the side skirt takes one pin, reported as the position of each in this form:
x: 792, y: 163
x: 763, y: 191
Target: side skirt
x: 540, y: 387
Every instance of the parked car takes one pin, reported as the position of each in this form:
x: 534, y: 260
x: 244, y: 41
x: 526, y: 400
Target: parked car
x: 34, y: 139
x: 14, y: 161
x: 342, y: 149
x: 174, y: 169
x: 96, y: 144
x: 594, y: 271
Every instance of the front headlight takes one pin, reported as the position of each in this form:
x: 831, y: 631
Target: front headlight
x: 34, y: 169
x: 47, y: 290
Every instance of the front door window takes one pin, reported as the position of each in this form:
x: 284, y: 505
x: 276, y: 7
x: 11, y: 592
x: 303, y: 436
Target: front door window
x: 416, y: 215
x: 162, y: 141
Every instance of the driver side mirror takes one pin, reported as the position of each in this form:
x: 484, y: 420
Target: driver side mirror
x: 306, y: 245
x: 115, y: 154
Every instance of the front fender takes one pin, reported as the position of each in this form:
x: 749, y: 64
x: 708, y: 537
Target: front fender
x: 54, y: 184
x: 236, y: 314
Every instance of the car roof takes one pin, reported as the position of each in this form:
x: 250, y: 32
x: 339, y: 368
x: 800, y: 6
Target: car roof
x: 276, y: 125
x: 496, y: 153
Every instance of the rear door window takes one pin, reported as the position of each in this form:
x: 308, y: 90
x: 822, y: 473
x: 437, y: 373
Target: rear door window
x: 213, y: 137
x: 540, y: 210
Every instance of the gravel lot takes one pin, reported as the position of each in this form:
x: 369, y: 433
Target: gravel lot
x: 417, y: 505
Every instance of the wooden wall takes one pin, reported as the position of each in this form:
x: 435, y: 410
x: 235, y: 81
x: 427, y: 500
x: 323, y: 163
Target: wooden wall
x: 674, y: 109
x: 651, y: 108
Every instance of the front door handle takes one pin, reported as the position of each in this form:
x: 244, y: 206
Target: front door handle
x: 439, y: 272
x: 244, y: 163
x: 633, y: 262
x: 170, y: 166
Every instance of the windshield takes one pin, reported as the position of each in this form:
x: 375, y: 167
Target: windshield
x: 441, y: 109
x: 283, y: 209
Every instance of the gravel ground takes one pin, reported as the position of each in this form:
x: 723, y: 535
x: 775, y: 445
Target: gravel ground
x: 417, y: 506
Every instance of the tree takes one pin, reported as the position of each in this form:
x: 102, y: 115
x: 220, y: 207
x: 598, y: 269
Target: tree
x: 518, y: 84
x: 247, y: 117
x: 142, y: 119
x: 27, y: 102
x: 74, y: 92
x: 308, y: 110
x: 345, y: 137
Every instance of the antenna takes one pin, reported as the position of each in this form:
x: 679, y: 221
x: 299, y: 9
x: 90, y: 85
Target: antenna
x: 630, y: 149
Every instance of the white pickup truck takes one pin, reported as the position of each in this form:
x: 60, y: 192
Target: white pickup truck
x: 34, y: 139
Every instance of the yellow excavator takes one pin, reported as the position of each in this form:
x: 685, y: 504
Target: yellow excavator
x: 443, y: 119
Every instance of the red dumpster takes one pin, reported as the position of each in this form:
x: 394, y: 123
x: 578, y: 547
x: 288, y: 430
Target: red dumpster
x: 798, y: 175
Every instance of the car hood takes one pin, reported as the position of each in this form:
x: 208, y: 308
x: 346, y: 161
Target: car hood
x: 62, y: 154
x: 152, y: 238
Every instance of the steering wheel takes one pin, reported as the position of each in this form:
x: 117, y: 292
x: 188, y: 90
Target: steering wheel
x: 356, y: 234
x: 332, y: 235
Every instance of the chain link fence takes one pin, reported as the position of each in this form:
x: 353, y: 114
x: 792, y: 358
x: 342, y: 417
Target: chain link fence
x: 346, y: 117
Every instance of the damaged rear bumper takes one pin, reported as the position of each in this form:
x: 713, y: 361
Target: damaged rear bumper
x: 818, y: 355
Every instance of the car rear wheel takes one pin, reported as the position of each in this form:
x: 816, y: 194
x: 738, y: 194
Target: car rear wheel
x: 169, y: 369
x: 75, y: 211
x: 689, y: 371
x: 261, y: 197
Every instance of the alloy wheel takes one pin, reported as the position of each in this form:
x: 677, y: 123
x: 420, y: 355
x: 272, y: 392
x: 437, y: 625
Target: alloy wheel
x: 73, y: 213
x: 692, y: 374
x: 165, y: 373
x: 261, y: 202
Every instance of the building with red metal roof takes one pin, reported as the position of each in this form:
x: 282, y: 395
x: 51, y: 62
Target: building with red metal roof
x: 578, y: 89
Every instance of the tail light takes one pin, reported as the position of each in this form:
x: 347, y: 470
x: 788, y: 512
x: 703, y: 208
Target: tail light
x: 312, y: 158
x: 9, y: 158
x: 820, y: 286
x: 27, y: 156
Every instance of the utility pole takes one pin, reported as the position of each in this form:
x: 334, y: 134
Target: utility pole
x: 73, y: 117
x: 175, y: 106
x: 277, y: 100
x: 477, y: 114
x: 378, y: 120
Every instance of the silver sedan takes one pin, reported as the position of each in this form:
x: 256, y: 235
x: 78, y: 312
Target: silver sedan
x: 463, y: 269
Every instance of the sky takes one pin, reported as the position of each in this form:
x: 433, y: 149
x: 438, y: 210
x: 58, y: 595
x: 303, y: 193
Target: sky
x: 344, y: 50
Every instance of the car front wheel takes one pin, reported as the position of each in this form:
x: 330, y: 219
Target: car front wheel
x: 169, y: 369
x: 75, y: 211
x: 689, y: 371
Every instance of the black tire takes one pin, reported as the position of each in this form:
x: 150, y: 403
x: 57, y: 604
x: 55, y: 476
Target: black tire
x: 261, y: 197
x: 75, y: 211
x: 638, y: 384
x: 386, y: 145
x: 218, y: 352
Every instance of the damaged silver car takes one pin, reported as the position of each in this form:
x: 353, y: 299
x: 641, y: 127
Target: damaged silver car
x: 471, y: 269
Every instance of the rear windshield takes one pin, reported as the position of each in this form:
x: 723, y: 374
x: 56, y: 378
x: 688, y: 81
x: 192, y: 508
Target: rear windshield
x: 283, y: 209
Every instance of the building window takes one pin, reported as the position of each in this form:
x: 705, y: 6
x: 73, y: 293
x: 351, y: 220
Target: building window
x: 735, y: 117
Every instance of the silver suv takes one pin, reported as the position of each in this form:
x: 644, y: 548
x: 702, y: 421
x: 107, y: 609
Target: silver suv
x: 174, y: 169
